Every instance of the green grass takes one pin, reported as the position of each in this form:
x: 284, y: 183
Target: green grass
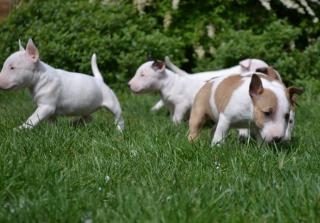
x: 60, y: 173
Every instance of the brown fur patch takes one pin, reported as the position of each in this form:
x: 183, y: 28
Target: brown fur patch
x: 291, y: 94
x: 265, y: 102
x: 224, y: 91
x: 262, y: 76
x: 270, y: 72
x: 200, y: 111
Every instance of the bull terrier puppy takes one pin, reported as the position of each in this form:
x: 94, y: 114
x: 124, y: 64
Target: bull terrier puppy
x: 57, y: 92
x: 254, y: 101
x: 201, y: 112
x: 244, y: 66
x: 177, y: 92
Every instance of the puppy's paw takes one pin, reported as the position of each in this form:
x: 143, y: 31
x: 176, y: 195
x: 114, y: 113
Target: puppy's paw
x: 120, y: 128
x: 154, y: 109
x: 216, y: 144
x: 23, y: 126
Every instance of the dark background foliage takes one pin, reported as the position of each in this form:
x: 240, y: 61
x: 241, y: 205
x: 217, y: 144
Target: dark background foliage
x: 68, y: 32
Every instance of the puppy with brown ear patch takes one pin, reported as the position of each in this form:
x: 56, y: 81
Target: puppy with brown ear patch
x: 274, y: 74
x: 251, y: 102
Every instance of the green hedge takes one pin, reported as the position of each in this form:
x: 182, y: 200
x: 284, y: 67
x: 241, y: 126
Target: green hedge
x: 68, y: 32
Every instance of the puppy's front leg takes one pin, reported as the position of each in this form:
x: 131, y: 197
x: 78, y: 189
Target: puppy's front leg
x: 43, y: 112
x: 221, y: 130
x: 178, y: 113
x: 244, y: 135
x: 157, y: 106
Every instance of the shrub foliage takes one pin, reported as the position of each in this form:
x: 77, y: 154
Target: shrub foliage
x: 206, y: 36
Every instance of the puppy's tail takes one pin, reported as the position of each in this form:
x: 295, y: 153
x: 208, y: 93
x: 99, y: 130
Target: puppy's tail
x: 174, y: 68
x: 94, y: 67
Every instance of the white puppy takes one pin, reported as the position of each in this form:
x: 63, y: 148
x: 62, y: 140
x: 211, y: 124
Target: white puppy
x: 176, y: 91
x: 57, y: 92
x: 244, y: 66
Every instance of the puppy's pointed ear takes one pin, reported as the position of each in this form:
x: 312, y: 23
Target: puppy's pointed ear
x: 32, y: 51
x: 270, y: 72
x: 292, y: 91
x: 21, y: 48
x: 159, y: 65
x: 255, y: 88
x: 245, y: 63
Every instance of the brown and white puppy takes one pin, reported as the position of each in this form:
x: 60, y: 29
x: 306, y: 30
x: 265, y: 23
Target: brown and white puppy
x: 257, y: 102
x: 272, y: 73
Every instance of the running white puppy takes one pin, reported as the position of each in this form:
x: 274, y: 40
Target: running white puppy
x: 244, y: 66
x: 57, y: 92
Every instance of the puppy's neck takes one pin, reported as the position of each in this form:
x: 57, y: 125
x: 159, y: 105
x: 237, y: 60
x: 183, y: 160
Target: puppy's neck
x: 168, y: 82
x: 40, y: 77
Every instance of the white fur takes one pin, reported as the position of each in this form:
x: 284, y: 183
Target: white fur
x: 55, y: 91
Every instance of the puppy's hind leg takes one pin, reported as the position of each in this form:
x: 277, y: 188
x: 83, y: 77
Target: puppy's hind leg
x: 111, y: 103
x: 197, y: 118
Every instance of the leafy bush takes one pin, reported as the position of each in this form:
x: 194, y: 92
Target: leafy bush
x: 68, y: 32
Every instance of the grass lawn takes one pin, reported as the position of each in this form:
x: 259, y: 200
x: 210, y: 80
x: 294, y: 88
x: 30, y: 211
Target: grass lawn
x: 60, y: 173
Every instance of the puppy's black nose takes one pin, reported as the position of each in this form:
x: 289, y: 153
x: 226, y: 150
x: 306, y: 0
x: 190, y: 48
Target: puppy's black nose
x: 128, y: 85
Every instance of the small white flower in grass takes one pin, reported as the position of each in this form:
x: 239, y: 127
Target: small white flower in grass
x: 100, y: 188
x: 133, y: 153
x: 217, y: 164
x: 107, y: 178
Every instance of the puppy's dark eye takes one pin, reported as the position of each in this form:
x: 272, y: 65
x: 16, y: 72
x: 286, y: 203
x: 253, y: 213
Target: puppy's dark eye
x: 142, y: 74
x: 286, y: 116
x: 267, y: 113
x: 12, y: 67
